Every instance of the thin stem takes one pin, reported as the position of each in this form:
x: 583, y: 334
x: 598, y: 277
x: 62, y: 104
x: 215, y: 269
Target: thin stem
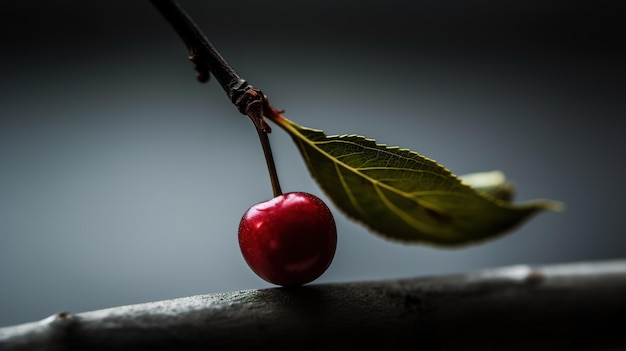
x: 248, y: 100
x: 271, y: 166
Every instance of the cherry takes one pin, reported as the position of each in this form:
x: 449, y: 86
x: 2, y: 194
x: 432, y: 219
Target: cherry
x: 289, y: 240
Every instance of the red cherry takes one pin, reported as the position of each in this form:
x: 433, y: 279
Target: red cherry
x: 288, y: 240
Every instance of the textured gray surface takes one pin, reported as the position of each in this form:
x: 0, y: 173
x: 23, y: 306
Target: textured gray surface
x: 571, y: 306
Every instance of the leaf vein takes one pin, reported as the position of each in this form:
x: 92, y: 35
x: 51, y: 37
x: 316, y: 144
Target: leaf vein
x: 349, y: 193
x: 400, y: 213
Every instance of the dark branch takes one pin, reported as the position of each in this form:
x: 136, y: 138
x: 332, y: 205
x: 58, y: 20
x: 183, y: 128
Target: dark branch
x: 248, y: 100
x: 209, y: 61
x: 573, y: 306
x: 201, y: 51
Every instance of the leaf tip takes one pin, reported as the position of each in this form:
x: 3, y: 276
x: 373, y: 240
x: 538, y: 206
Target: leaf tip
x: 554, y: 206
x: 544, y: 205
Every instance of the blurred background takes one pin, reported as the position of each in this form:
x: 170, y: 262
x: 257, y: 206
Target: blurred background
x: 123, y: 180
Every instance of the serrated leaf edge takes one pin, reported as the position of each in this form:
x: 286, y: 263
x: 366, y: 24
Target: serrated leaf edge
x: 293, y: 128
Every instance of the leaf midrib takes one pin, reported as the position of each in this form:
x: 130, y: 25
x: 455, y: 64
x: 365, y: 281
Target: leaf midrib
x: 376, y: 183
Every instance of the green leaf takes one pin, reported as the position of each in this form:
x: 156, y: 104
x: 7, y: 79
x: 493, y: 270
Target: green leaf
x: 404, y: 196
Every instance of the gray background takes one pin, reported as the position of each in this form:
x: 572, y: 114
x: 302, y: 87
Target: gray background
x: 122, y: 179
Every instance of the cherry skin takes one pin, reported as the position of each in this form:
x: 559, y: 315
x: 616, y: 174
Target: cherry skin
x: 289, y: 240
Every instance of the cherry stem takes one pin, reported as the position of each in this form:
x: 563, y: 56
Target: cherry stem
x: 271, y: 166
x: 207, y: 60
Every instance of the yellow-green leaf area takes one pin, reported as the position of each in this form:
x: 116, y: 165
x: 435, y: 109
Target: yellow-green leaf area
x: 403, y: 195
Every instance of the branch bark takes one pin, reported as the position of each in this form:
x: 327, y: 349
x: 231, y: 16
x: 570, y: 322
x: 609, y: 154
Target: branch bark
x: 249, y: 100
x: 201, y: 52
x: 208, y: 61
x: 571, y: 306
